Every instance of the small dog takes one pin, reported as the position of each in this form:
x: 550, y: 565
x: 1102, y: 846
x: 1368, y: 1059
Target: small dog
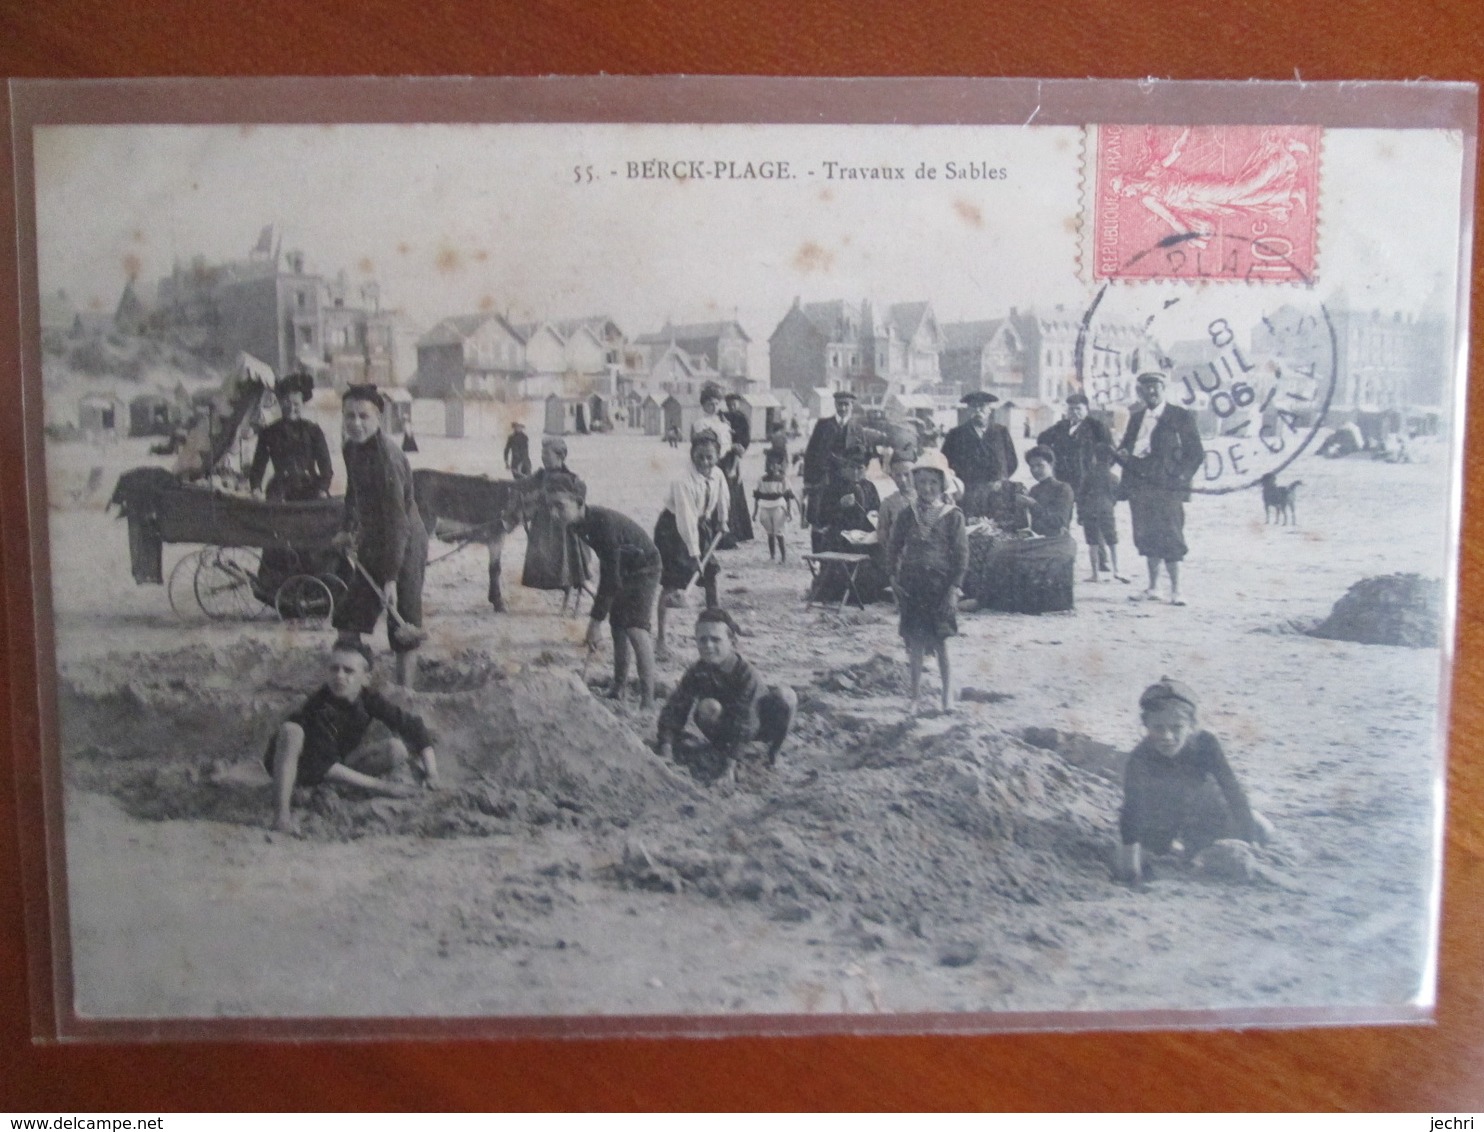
x: 1278, y: 500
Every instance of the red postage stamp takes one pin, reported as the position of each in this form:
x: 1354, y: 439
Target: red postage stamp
x: 1205, y: 202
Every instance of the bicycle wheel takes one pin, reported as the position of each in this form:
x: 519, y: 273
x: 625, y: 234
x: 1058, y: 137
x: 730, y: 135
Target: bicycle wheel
x: 226, y: 584
x: 304, y: 597
x: 337, y: 587
x: 181, y: 588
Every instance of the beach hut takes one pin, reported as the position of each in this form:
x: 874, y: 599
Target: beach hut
x: 597, y: 412
x: 99, y: 414
x: 152, y: 414
x: 398, y: 410
x: 764, y: 411
x: 453, y: 418
x: 565, y: 415
x: 652, y: 417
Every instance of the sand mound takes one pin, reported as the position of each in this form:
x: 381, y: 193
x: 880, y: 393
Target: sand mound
x: 881, y: 675
x: 181, y: 735
x: 1102, y: 759
x: 1394, y: 609
x: 917, y: 832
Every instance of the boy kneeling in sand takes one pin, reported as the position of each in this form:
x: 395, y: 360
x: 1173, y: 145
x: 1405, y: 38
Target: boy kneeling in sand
x: 1178, y: 785
x: 324, y: 740
x: 739, y: 718
x: 628, y: 584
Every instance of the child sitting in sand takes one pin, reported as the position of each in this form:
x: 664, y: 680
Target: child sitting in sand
x: 739, y: 718
x: 1179, y: 787
x: 325, y: 739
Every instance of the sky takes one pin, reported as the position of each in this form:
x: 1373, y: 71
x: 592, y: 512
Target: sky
x: 456, y: 218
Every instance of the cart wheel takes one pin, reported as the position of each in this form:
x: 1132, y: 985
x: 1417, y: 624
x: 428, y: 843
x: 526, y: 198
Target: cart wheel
x: 304, y: 597
x: 181, y: 590
x: 226, y: 582
x: 337, y: 587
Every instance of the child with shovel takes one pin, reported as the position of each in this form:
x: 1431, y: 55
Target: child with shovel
x: 382, y: 535
x: 628, y: 580
x: 690, y: 526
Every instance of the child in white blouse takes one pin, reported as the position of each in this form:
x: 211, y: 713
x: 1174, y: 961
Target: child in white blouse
x: 694, y: 518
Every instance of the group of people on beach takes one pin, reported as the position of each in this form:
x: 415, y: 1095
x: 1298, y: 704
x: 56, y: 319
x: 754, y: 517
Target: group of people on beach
x: 723, y: 716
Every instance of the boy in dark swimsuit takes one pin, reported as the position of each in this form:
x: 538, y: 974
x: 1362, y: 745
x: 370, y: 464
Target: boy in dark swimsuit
x: 325, y: 739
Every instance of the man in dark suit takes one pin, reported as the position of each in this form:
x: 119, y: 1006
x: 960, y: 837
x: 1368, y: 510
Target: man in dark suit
x: 825, y: 481
x: 1073, y: 440
x: 1160, y: 453
x: 980, y: 453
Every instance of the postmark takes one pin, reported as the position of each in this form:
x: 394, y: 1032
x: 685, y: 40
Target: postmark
x: 1218, y: 202
x: 1259, y: 373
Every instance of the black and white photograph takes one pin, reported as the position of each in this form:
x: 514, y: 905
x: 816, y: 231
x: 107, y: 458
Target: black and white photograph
x: 753, y: 574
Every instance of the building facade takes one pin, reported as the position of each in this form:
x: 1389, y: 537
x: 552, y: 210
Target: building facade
x: 839, y: 345
x: 485, y: 355
x: 271, y: 307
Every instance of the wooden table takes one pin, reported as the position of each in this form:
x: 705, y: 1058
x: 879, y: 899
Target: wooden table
x: 828, y: 562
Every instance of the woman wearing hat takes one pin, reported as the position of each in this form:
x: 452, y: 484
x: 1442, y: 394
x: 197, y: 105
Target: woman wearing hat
x: 300, y: 457
x: 928, y: 557
x: 711, y: 419
x: 1161, y: 452
x: 295, y: 447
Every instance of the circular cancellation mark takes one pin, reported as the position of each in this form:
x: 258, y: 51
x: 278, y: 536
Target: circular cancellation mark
x: 1255, y: 362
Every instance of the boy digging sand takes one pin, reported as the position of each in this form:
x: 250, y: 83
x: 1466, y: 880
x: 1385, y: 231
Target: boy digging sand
x: 1178, y: 785
x: 324, y: 740
x: 628, y: 583
x: 734, y: 711
x: 382, y: 533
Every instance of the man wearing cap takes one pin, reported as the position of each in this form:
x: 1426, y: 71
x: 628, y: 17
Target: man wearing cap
x: 825, y: 479
x: 1160, y: 454
x: 1073, y: 440
x: 980, y: 453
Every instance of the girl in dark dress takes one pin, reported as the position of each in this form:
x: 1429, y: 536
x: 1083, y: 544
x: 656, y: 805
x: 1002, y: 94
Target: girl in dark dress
x: 928, y: 557
x: 556, y: 559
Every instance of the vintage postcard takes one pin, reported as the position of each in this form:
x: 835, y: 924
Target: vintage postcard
x: 838, y: 567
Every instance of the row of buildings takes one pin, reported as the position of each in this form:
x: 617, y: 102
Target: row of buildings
x: 897, y: 358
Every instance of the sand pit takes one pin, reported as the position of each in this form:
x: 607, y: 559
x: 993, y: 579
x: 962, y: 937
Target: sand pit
x: 182, y: 734
x: 1395, y: 609
x: 927, y: 831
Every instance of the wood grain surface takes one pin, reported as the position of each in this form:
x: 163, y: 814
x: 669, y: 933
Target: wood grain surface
x: 1433, y: 1068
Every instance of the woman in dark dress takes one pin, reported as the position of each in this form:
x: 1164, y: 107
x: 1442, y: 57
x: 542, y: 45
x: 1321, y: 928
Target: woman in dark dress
x: 300, y: 457
x: 296, y: 448
x: 556, y: 559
